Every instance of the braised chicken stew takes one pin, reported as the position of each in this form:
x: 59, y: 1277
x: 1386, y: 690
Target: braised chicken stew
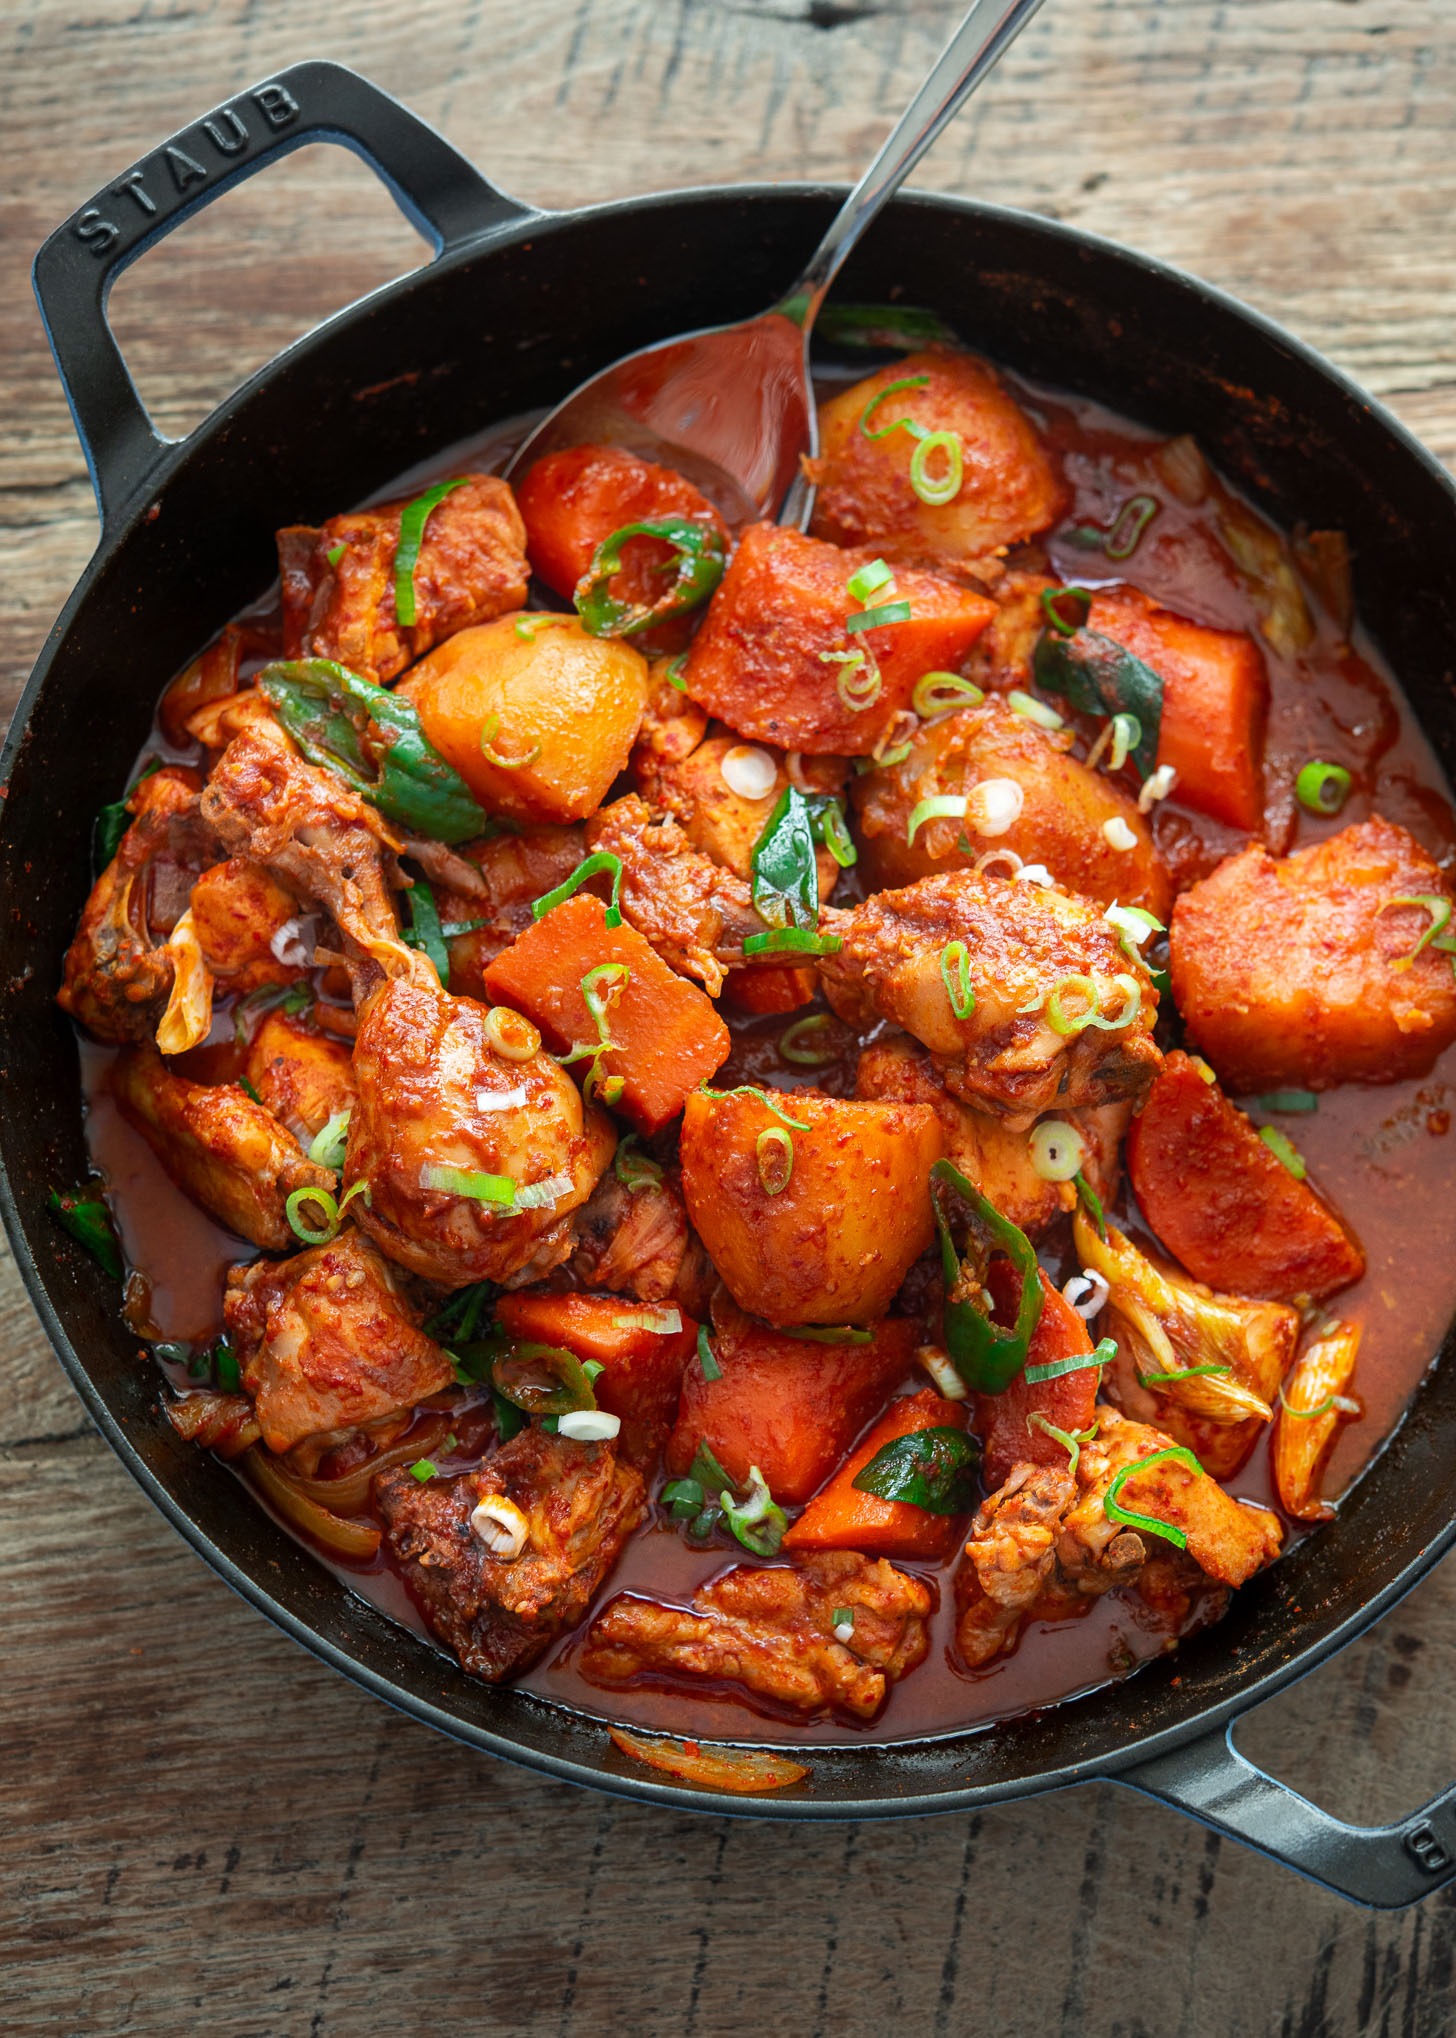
x: 786, y: 1133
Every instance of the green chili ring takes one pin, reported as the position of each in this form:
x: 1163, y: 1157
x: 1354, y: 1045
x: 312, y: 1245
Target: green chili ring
x: 699, y: 568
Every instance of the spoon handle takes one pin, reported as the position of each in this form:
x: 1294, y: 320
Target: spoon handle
x: 989, y: 29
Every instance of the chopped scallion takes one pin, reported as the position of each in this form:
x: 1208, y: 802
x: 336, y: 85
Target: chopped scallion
x: 412, y: 520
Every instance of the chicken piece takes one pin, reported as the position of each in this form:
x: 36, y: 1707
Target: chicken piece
x: 722, y: 823
x: 225, y: 1151
x: 512, y: 871
x: 1303, y: 970
x: 248, y: 927
x: 987, y: 1151
x: 339, y: 581
x: 1033, y: 960
x: 309, y: 829
x: 498, y: 1613
x: 1010, y: 488
x: 119, y: 970
x: 695, y: 914
x: 772, y: 1630
x: 302, y: 1076
x: 1002, y: 657
x: 1044, y: 1544
x: 637, y: 1241
x: 672, y: 726
x: 326, y: 1341
x: 1065, y: 810
x: 474, y: 1163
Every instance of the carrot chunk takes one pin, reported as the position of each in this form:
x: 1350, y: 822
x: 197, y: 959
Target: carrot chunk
x: 841, y: 1517
x: 1004, y: 1422
x: 643, y: 1362
x: 775, y: 659
x: 790, y: 1407
x: 1224, y: 1205
x: 666, y: 1037
x: 572, y: 502
x: 1215, y: 703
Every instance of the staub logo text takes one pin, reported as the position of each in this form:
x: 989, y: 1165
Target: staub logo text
x: 199, y: 154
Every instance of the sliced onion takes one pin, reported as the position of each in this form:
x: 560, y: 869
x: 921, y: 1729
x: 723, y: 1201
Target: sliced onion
x: 544, y: 1195
x: 588, y: 1425
x: 941, y: 1368
x: 990, y: 857
x: 501, y: 1100
x: 1156, y: 786
x: 356, y: 1539
x: 293, y: 942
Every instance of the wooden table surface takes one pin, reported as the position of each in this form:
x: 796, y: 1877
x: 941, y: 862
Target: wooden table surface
x: 204, y: 1829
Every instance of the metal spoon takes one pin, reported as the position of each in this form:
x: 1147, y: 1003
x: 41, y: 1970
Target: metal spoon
x: 732, y: 406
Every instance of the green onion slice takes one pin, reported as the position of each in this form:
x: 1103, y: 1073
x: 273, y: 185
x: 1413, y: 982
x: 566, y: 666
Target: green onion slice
x: 987, y: 1356
x: 1113, y: 1509
x: 937, y: 490
x: 955, y: 974
x: 1284, y: 1151
x: 707, y: 1357
x: 695, y: 573
x: 289, y: 998
x: 1321, y: 1408
x: 890, y: 388
x: 333, y: 1212
x: 1129, y: 524
x: 480, y: 1188
x: 1322, y: 788
x: 327, y: 1148
x: 635, y: 1171
x: 1090, y: 991
x: 1079, y: 1362
x: 1093, y: 1202
x: 1439, y: 908
x: 941, y: 693
x: 869, y: 580
x: 1176, y: 1373
x: 423, y: 1469
x: 412, y: 520
x: 831, y: 1334
x: 1133, y: 925
x: 764, y: 1097
x: 89, y: 1222
x: 1052, y: 599
x: 774, y: 1152
x: 489, y: 730
x: 674, y: 673
x: 757, y: 1522
x: 860, y: 681
x: 249, y: 1090
x: 939, y: 807
x: 1071, y: 1441
x: 336, y: 552
x: 880, y: 618
x: 1127, y: 733
x: 794, y: 1042
x: 591, y: 866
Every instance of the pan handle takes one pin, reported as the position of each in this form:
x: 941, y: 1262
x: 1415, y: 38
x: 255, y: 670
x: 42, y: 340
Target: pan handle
x: 1382, y: 1866
x: 436, y: 188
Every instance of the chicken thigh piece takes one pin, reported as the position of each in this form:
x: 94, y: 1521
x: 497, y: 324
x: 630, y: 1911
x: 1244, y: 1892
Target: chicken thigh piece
x: 776, y: 1631
x: 473, y: 1162
x: 503, y: 1558
x: 326, y: 1342
x: 1022, y: 993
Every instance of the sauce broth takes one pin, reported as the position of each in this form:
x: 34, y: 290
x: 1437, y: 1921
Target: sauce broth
x: 1382, y: 1155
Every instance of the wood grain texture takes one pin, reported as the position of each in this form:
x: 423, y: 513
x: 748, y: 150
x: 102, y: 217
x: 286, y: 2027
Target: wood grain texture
x: 204, y: 1829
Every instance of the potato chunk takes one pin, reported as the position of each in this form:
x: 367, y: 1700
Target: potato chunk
x: 241, y: 916
x: 559, y: 707
x: 768, y: 658
x: 1065, y: 808
x: 302, y: 1076
x: 1295, y: 970
x: 989, y: 1152
x: 816, y: 1222
x: 1009, y: 491
x: 339, y: 582
x: 1027, y: 1044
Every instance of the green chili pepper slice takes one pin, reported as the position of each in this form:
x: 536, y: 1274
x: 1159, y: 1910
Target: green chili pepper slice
x: 699, y: 568
x: 330, y: 711
x: 987, y: 1356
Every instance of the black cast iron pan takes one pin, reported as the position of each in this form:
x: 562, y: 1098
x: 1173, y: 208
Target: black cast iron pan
x: 515, y: 309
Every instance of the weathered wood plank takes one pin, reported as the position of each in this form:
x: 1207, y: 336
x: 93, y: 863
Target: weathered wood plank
x: 204, y: 1826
